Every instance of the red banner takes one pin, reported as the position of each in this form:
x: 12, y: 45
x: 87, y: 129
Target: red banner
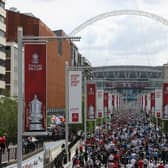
x: 105, y: 103
x: 91, y: 101
x: 165, y: 101
x: 145, y: 103
x: 35, y: 87
x: 152, y: 101
x: 113, y: 97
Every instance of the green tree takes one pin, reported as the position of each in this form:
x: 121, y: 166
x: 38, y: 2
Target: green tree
x: 8, y: 117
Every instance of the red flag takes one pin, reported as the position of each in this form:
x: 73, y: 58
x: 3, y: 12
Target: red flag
x: 91, y: 101
x: 35, y: 87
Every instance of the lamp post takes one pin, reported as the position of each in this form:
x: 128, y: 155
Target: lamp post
x: 20, y: 99
x: 66, y: 108
x: 22, y: 39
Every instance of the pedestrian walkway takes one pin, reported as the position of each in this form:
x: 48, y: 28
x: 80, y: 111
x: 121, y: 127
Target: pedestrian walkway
x: 131, y: 141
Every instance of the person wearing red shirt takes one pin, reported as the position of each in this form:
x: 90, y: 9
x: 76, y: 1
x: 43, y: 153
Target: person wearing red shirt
x: 161, y: 165
x: 140, y: 163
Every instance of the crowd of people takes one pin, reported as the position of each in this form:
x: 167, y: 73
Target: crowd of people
x: 131, y: 140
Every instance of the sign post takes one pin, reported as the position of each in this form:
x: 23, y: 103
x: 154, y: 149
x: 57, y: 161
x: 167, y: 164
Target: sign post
x: 66, y: 108
x: 20, y: 99
x: 35, y: 126
x: 85, y: 111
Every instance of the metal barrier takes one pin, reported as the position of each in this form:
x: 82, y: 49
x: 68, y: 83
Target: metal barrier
x: 10, y: 153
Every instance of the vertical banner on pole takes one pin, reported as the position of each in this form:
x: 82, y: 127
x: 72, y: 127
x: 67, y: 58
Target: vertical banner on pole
x: 148, y: 106
x: 165, y: 101
x: 99, y: 103
x: 109, y: 103
x: 141, y: 102
x: 91, y: 101
x: 35, y: 88
x: 113, y: 97
x: 105, y: 103
x: 145, y: 103
x: 75, y: 97
x: 158, y: 103
x: 152, y: 102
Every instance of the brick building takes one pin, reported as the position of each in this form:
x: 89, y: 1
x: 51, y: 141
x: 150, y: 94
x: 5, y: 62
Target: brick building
x: 58, y: 52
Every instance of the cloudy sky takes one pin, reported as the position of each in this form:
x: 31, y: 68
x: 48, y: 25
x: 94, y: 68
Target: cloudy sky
x: 116, y: 40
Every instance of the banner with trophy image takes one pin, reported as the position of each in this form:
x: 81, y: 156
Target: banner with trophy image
x: 99, y: 103
x: 158, y: 103
x: 35, y: 88
x: 91, y: 101
x: 165, y: 101
x: 106, y: 103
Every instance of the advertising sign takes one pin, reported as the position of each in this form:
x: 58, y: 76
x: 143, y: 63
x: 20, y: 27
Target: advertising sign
x: 99, y: 103
x: 152, y: 102
x: 165, y: 101
x: 109, y: 103
x: 75, y: 97
x: 35, y: 87
x: 158, y: 102
x: 91, y: 101
x: 105, y: 103
x: 148, y: 106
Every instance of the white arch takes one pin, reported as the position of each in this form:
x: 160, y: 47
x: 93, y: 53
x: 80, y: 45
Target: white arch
x: 116, y: 13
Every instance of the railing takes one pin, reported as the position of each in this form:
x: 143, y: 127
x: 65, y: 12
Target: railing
x: 9, y: 156
x: 61, y: 158
x: 10, y: 153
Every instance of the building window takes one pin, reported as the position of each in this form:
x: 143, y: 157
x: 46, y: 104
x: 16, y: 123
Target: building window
x: 2, y: 48
x: 2, y: 19
x: 60, y: 47
x: 2, y: 5
x: 2, y: 77
x: 2, y: 62
x: 2, y: 33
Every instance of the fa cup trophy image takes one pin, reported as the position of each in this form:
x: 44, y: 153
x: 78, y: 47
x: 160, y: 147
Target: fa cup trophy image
x: 36, y: 116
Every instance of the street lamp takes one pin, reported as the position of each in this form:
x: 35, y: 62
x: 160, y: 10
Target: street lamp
x: 22, y: 39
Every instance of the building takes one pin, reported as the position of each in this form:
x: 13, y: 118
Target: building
x: 129, y: 80
x: 2, y: 45
x: 58, y: 52
x: 56, y: 59
x: 165, y: 73
x: 12, y: 68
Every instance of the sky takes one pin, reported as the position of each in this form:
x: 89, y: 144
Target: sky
x: 115, y: 40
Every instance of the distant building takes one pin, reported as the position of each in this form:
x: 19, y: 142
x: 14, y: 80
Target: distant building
x: 2, y: 45
x: 165, y: 73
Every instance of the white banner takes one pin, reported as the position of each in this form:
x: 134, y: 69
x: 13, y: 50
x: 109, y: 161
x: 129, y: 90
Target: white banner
x: 143, y: 107
x: 99, y: 103
x: 148, y: 108
x: 115, y: 102
x: 110, y: 103
x: 75, y: 97
x: 158, y: 103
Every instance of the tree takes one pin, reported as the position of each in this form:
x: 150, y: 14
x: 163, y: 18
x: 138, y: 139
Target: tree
x: 8, y: 117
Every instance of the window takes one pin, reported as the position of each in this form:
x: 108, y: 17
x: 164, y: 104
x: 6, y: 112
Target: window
x: 2, y: 33
x: 60, y: 47
x: 2, y: 48
x: 2, y: 77
x: 2, y: 19
x: 2, y: 5
x: 2, y: 62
